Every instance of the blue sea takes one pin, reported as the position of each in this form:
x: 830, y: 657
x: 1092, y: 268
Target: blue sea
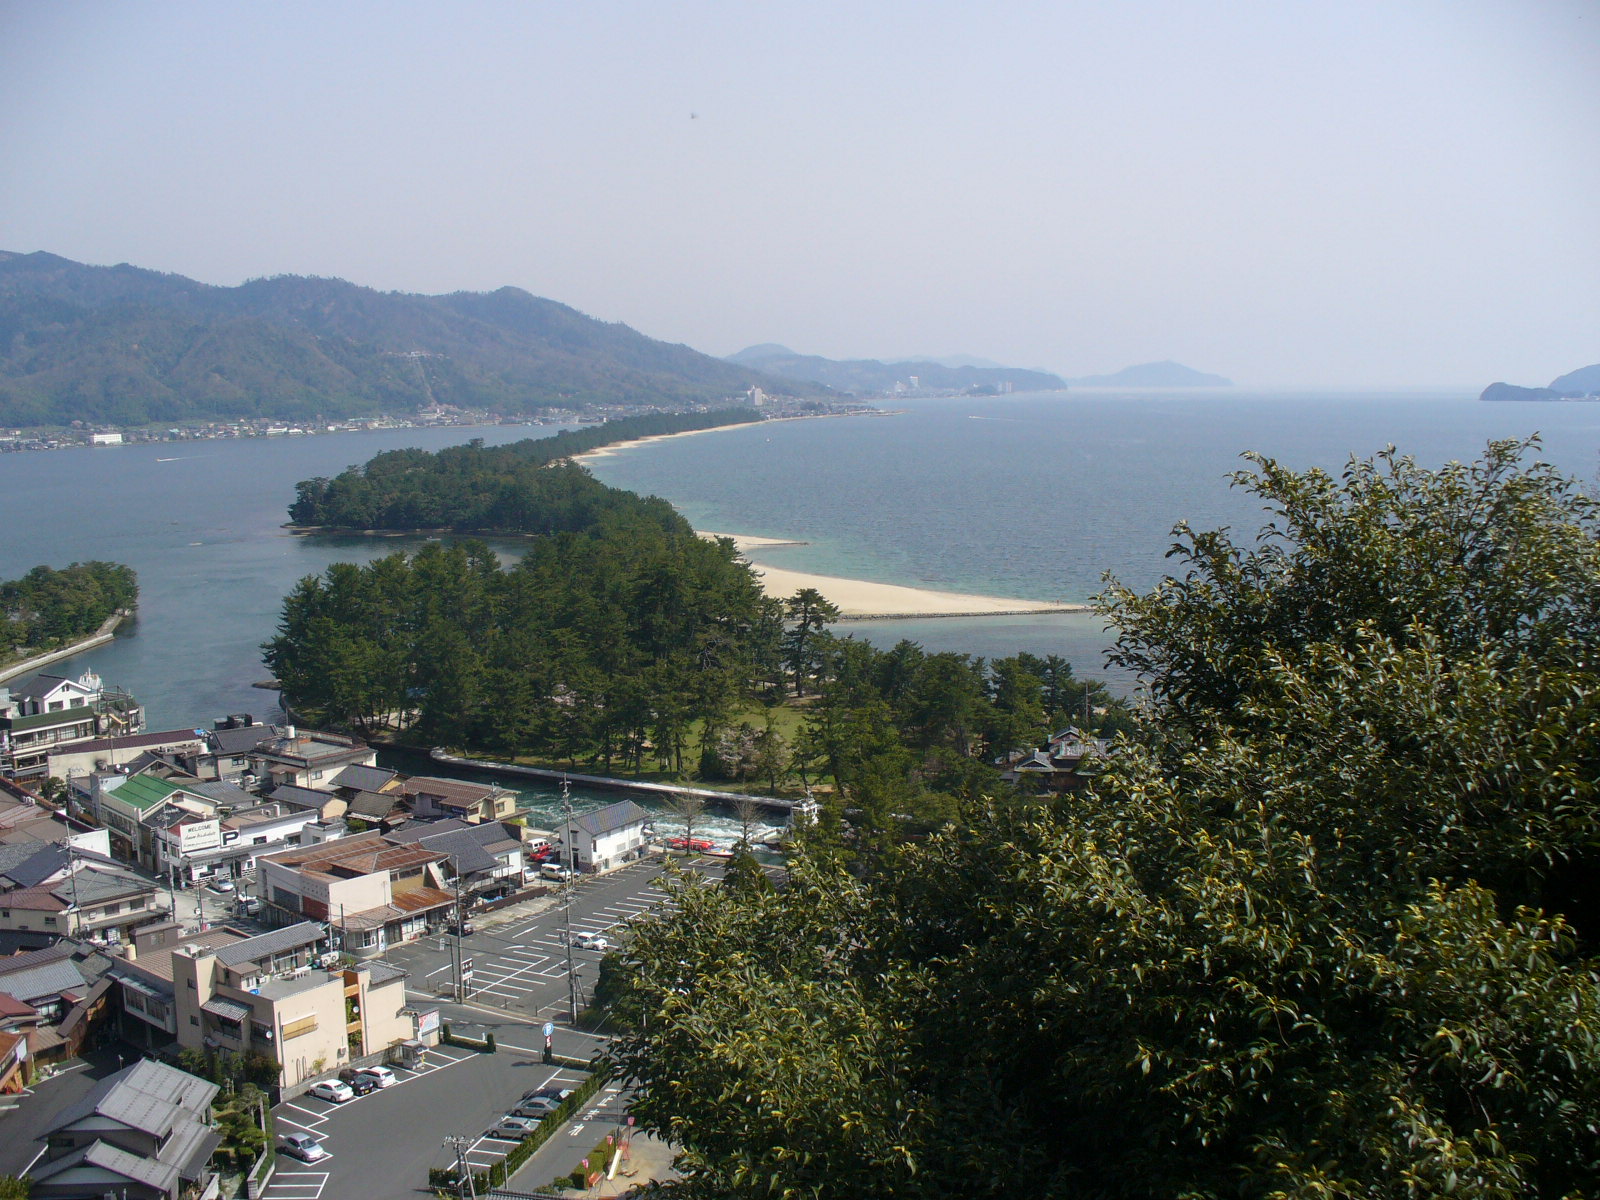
x: 1032, y: 496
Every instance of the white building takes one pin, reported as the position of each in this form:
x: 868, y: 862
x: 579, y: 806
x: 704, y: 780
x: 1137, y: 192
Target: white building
x: 607, y: 837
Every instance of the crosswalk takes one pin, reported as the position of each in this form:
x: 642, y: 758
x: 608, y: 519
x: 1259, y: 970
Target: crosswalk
x: 533, y: 954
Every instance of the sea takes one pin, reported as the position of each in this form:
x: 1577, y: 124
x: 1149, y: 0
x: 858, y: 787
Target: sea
x: 1037, y: 496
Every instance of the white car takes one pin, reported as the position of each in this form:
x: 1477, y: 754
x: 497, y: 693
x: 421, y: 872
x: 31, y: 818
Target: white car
x: 515, y: 1128
x: 303, y: 1146
x: 382, y: 1076
x: 333, y: 1090
x: 222, y: 885
x: 590, y: 941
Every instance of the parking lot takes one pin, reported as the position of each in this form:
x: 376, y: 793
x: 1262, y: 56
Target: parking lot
x: 382, y: 1144
x: 517, y: 961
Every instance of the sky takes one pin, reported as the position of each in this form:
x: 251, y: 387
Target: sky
x: 1362, y: 194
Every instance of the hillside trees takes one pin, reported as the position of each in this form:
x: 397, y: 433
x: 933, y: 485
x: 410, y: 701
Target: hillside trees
x: 47, y: 607
x: 1321, y: 933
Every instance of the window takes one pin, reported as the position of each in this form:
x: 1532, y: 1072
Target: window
x: 50, y: 921
x: 194, y: 1020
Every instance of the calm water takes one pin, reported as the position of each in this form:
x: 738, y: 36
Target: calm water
x: 1038, y: 496
x: 1033, y: 496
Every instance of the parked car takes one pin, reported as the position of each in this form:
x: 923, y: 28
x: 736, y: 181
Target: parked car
x: 463, y: 928
x: 303, y: 1146
x: 590, y: 941
x: 515, y: 1128
x: 335, y: 1091
x: 549, y: 1093
x: 534, y: 1107
x: 381, y: 1076
x: 357, y: 1081
x: 552, y: 870
x: 222, y: 885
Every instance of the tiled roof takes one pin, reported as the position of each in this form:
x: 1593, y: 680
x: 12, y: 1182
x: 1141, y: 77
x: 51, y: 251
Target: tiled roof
x: 43, y: 982
x: 406, y: 904
x: 452, y: 791
x: 611, y: 818
x: 108, y: 1159
x: 381, y: 972
x: 300, y: 797
x: 374, y: 806
x: 27, y: 864
x: 35, y: 899
x: 233, y: 743
x: 135, y: 741
x: 363, y: 854
x: 39, y: 686
x: 264, y: 946
x: 366, y: 779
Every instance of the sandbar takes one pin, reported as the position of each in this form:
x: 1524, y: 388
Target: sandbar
x: 863, y: 600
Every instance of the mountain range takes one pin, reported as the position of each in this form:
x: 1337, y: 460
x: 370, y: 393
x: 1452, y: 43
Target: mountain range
x: 869, y: 376
x: 1574, y: 385
x: 129, y: 346
x: 1166, y: 374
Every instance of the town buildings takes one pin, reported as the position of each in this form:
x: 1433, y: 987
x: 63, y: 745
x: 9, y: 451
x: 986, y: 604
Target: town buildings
x: 144, y: 1133
x: 47, y: 710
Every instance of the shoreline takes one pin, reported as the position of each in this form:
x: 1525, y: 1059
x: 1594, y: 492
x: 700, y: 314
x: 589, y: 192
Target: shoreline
x: 865, y: 600
x: 610, y: 450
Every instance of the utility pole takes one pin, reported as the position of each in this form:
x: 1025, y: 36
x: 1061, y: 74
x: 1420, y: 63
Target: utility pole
x: 566, y: 908
x: 455, y: 941
x: 459, y: 1144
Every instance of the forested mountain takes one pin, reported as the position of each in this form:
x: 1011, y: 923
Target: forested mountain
x: 868, y: 376
x: 129, y: 346
x: 521, y: 487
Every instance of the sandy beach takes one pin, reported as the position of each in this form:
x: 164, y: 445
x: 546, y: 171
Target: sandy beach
x: 861, y: 600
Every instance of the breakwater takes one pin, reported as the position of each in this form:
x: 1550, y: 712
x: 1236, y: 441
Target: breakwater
x: 607, y: 783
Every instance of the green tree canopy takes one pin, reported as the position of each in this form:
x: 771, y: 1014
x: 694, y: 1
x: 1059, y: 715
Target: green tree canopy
x: 1320, y: 933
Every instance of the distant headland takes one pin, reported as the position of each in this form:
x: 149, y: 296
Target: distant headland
x: 1582, y: 384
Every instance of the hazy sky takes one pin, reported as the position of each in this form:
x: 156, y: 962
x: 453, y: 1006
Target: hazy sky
x: 1390, y: 192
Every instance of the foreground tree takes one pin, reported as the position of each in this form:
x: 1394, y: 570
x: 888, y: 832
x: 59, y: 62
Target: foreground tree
x: 1324, y: 932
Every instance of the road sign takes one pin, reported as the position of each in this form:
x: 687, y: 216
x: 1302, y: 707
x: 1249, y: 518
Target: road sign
x: 466, y: 968
x: 549, y: 1028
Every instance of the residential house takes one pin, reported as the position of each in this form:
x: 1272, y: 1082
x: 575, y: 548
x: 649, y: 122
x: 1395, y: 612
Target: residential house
x: 41, y: 713
x: 607, y: 837
x: 486, y: 860
x: 375, y: 892
x: 432, y: 798
x: 55, y: 891
x: 1066, y: 764
x: 306, y: 758
x: 54, y: 997
x: 24, y: 820
x: 325, y: 806
x: 144, y: 1133
x: 355, y: 779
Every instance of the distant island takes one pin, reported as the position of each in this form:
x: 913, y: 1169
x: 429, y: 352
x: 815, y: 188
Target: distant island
x: 126, y: 346
x: 1166, y: 374
x: 870, y: 377
x: 1582, y: 384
